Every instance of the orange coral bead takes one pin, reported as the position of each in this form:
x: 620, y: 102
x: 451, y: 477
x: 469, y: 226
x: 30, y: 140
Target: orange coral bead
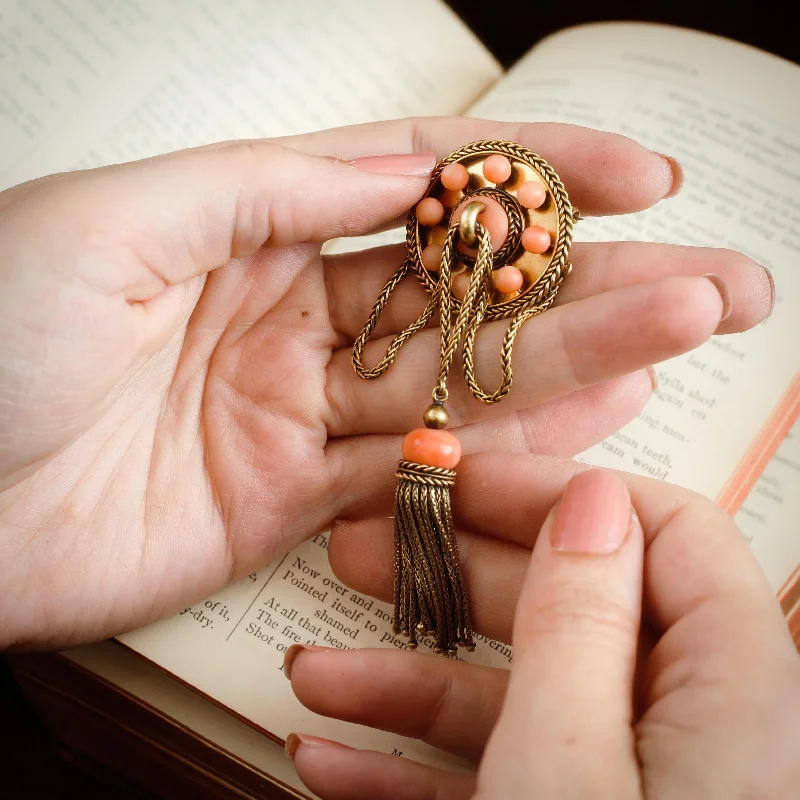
x: 497, y: 168
x: 432, y: 257
x: 430, y: 211
x: 507, y: 279
x: 531, y: 194
x: 536, y: 239
x: 460, y: 283
x: 432, y: 448
x: 493, y: 218
x: 454, y: 176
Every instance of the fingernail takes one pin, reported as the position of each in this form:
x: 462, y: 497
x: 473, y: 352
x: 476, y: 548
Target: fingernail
x: 677, y: 175
x: 417, y: 165
x: 293, y: 652
x: 294, y: 740
x: 722, y: 288
x: 771, y: 290
x: 594, y: 515
x: 653, y: 377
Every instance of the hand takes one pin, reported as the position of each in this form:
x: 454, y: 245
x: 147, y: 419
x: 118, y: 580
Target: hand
x: 178, y: 404
x: 699, y: 697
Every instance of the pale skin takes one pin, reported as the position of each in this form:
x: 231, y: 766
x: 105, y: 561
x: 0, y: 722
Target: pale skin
x: 177, y: 404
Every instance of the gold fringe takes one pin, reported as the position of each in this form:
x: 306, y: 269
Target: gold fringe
x: 430, y: 598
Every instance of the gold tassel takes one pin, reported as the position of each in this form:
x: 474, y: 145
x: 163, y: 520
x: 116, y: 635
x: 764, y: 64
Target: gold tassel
x: 430, y: 598
x: 429, y: 594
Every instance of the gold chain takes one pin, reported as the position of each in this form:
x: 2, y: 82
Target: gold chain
x: 471, y: 312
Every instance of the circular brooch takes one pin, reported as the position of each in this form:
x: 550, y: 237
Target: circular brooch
x: 526, y: 209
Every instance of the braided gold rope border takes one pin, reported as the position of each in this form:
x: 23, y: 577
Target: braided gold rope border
x: 542, y: 293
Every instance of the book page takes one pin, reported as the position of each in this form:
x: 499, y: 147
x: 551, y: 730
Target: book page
x: 231, y: 646
x: 93, y: 82
x: 727, y: 112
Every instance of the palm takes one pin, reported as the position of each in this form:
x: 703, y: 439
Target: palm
x: 264, y: 409
x: 217, y: 456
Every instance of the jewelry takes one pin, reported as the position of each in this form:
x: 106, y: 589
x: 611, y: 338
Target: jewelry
x: 489, y: 241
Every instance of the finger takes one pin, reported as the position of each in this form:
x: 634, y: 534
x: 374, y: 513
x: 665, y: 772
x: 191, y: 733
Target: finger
x: 362, y: 468
x: 506, y: 498
x: 185, y: 213
x: 566, y: 723
x: 336, y: 772
x: 604, y: 173
x: 354, y: 280
x: 557, y: 352
x: 446, y: 703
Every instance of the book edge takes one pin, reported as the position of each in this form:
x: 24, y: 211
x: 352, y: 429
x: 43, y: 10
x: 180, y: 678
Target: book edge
x: 185, y: 728
x: 761, y: 450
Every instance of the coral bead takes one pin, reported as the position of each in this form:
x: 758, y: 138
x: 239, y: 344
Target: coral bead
x: 430, y: 211
x: 454, y: 176
x: 531, y: 194
x: 493, y: 218
x: 497, y: 168
x: 536, y: 239
x: 432, y: 448
x: 432, y: 257
x: 460, y: 284
x: 507, y: 279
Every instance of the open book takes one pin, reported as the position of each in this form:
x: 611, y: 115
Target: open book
x: 93, y: 83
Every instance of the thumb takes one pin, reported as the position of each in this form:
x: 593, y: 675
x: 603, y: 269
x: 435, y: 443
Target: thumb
x: 565, y: 728
x: 188, y: 212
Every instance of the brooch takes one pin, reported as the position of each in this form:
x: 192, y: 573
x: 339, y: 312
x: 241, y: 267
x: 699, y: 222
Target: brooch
x: 489, y: 241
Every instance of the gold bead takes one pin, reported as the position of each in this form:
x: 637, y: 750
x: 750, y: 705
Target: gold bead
x: 436, y: 416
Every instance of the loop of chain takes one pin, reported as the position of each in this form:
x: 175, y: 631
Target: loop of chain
x: 400, y: 339
x: 470, y: 314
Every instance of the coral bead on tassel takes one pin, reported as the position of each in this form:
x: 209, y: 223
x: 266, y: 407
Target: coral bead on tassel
x: 432, y: 447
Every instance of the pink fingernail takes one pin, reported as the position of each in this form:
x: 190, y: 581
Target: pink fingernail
x: 677, y: 175
x: 653, y: 377
x: 294, y: 740
x: 594, y: 515
x: 294, y: 651
x: 416, y: 165
x: 724, y: 293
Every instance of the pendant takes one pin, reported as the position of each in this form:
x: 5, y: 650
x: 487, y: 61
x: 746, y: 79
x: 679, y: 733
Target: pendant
x: 489, y: 241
